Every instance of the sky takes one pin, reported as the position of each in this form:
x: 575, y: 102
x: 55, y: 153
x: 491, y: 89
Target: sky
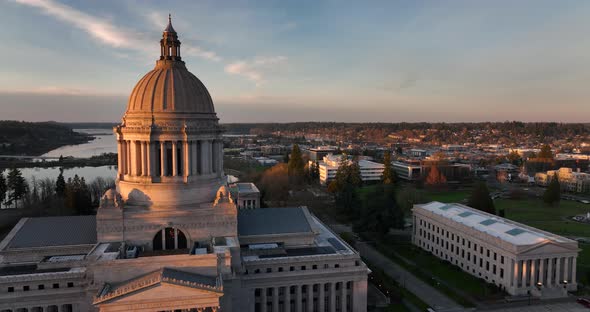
x: 284, y: 61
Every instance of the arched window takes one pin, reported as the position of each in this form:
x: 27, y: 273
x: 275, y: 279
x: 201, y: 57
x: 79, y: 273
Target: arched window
x: 169, y: 238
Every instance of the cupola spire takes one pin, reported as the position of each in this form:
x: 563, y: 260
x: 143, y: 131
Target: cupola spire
x: 170, y: 45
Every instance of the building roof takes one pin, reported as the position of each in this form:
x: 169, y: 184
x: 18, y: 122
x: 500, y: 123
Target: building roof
x: 55, y: 231
x: 507, y: 230
x: 265, y: 221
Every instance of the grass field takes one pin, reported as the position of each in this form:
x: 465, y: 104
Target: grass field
x: 555, y: 219
x: 460, y: 286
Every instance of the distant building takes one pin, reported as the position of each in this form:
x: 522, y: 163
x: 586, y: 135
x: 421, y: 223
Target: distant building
x: 517, y: 258
x: 246, y: 195
x: 569, y: 180
x: 318, y: 153
x: 418, y: 152
x: 273, y: 150
x: 409, y: 171
x: 370, y: 170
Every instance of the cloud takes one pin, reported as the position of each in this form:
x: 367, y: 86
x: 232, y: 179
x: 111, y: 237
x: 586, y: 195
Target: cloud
x: 257, y: 69
x: 56, y: 90
x: 107, y: 32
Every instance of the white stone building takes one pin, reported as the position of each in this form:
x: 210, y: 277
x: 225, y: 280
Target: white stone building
x: 170, y: 237
x: 245, y: 194
x: 370, y: 170
x: 569, y: 180
x: 520, y: 259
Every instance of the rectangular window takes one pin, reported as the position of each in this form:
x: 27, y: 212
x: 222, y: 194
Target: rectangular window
x: 26, y: 288
x: 56, y: 285
x: 41, y: 287
x: 11, y: 289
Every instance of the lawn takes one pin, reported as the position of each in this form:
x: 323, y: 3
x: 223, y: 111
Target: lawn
x: 447, y: 196
x: 555, y: 219
x: 426, y: 266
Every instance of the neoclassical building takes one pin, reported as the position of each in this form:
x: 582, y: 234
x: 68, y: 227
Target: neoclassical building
x: 518, y: 258
x: 170, y: 236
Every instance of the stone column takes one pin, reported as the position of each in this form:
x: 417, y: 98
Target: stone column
x: 549, y: 271
x: 574, y: 263
x: 220, y: 161
x: 309, y: 298
x: 174, y: 159
x: 151, y: 158
x: 214, y: 156
x: 163, y: 159
x: 298, y: 301
x: 275, y: 299
x: 175, y: 238
x: 558, y: 278
x: 128, y: 157
x: 287, y: 299
x: 332, y: 297
x: 144, y: 158
x: 542, y: 271
x: 321, y: 298
x: 359, y: 295
x: 263, y: 299
x: 211, y: 156
x: 566, y: 269
x: 343, y: 296
x: 516, y: 274
x: 121, y: 167
x: 532, y: 273
x: 185, y: 157
x: 194, y: 158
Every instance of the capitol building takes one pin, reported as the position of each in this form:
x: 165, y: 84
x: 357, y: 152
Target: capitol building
x: 170, y: 237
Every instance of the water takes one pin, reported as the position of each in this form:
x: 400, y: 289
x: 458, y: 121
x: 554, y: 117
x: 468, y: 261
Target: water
x: 104, y: 142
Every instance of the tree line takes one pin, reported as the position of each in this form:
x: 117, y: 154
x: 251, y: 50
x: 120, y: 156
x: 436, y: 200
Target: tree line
x: 59, y: 196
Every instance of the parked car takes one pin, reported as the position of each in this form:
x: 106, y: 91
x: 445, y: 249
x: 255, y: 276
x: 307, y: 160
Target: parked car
x: 585, y: 302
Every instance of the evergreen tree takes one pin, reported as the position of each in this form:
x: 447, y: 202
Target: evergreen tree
x: 552, y: 194
x: 60, y: 185
x: 296, y: 165
x: 480, y: 199
x: 3, y: 187
x: 388, y: 174
x: 17, y: 186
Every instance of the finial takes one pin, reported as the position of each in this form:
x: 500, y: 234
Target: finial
x: 169, y: 18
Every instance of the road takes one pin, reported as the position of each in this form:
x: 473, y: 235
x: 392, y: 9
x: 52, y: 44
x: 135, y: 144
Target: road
x: 549, y: 307
x: 427, y: 293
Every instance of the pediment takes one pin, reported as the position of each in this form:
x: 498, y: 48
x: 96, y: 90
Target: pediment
x: 548, y: 248
x: 164, y: 291
x: 163, y: 285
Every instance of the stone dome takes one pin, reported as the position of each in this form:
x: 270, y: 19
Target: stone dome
x: 170, y: 88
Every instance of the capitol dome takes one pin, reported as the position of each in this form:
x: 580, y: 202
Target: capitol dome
x: 170, y: 87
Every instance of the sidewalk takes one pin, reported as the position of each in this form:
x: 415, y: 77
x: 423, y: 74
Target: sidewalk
x: 427, y: 293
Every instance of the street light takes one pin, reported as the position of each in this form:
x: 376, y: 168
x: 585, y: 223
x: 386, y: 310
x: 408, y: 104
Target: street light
x: 565, y: 284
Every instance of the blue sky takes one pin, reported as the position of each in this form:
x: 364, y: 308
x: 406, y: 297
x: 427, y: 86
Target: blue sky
x: 267, y: 61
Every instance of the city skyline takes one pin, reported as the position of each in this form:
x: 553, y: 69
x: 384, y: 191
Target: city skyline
x: 282, y: 62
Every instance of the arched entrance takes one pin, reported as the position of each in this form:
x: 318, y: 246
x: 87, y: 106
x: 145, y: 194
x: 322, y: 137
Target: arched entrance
x: 169, y: 238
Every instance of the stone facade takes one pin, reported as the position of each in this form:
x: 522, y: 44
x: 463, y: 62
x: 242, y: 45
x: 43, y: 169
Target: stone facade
x: 519, y: 259
x: 170, y: 236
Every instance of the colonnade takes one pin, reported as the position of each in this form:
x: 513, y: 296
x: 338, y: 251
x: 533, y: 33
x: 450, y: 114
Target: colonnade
x: 138, y: 158
x: 319, y: 297
x: 208, y: 309
x: 51, y: 308
x: 545, y: 272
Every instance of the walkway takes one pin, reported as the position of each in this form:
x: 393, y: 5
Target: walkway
x: 427, y: 293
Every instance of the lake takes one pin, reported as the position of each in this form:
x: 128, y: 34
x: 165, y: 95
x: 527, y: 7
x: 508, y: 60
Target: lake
x: 104, y: 142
